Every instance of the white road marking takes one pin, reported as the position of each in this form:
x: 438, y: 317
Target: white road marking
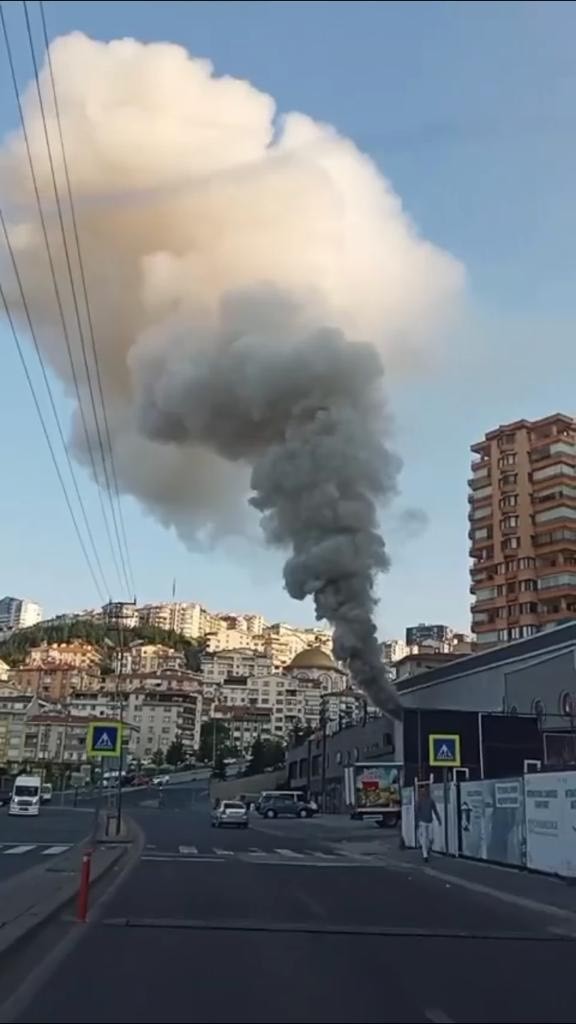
x: 255, y: 852
x: 438, y: 1017
x: 188, y: 849
x: 288, y: 853
x: 21, y: 849
x: 323, y: 856
x: 223, y: 853
x: 53, y: 850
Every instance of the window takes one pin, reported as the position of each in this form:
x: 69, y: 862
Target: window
x: 509, y: 501
x: 559, y: 469
x: 510, y: 543
x: 526, y: 563
x: 568, y: 704
x: 525, y: 585
x: 528, y: 608
x: 562, y: 579
x: 507, y: 460
x: 509, y: 522
x: 558, y: 512
x: 538, y: 708
x: 507, y: 439
x: 508, y: 479
x: 482, y: 512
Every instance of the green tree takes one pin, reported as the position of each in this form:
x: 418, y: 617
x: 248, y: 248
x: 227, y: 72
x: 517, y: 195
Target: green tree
x: 176, y: 752
x: 265, y: 754
x: 214, y: 739
x: 158, y: 758
x: 219, y: 770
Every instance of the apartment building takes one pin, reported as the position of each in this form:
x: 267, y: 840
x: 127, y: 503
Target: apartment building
x: 522, y: 516
x: 77, y: 654
x: 143, y: 657
x: 228, y: 638
x: 161, y: 718
x: 120, y: 614
x: 18, y: 613
x: 187, y: 617
x: 53, y: 683
x: 219, y: 665
x: 245, y: 724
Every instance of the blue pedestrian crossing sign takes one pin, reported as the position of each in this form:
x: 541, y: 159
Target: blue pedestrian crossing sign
x: 444, y: 750
x: 104, y: 739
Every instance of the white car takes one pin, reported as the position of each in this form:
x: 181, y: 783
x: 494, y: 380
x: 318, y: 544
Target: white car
x: 230, y: 812
x: 160, y: 780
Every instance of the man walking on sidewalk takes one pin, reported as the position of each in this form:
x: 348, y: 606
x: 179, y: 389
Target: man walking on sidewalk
x: 426, y: 811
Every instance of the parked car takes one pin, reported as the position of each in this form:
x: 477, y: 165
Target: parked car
x: 160, y: 780
x: 287, y: 808
x: 230, y: 812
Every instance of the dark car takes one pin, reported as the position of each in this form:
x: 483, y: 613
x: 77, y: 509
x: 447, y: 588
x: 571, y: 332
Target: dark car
x: 287, y: 808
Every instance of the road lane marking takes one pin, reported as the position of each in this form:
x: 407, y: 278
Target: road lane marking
x: 53, y: 850
x: 323, y: 856
x: 255, y: 852
x: 188, y: 849
x: 223, y: 853
x: 288, y: 853
x: 21, y: 849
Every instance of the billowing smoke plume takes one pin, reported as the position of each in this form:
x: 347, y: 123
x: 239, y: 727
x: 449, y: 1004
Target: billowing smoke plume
x: 248, y: 275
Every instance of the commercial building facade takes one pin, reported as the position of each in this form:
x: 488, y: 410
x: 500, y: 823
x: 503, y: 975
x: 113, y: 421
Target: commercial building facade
x: 522, y: 517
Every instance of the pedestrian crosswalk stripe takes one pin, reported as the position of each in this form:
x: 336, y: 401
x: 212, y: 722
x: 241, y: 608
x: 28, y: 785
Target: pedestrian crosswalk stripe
x: 188, y: 850
x: 46, y: 849
x: 224, y: 853
x: 289, y: 853
x: 324, y: 856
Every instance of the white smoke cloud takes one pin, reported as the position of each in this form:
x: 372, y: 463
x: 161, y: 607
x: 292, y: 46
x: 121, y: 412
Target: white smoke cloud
x: 220, y: 243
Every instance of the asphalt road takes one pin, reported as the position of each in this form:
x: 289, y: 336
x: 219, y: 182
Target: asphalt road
x: 278, y: 924
x: 25, y: 842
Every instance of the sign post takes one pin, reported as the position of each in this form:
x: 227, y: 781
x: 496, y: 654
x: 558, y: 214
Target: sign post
x: 444, y: 753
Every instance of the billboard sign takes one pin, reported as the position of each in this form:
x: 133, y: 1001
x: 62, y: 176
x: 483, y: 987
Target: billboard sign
x: 377, y: 787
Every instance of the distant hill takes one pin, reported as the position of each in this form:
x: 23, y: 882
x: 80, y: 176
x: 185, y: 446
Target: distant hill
x: 14, y: 650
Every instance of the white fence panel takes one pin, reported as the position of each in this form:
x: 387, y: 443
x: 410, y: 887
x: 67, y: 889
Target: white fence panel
x: 551, y: 822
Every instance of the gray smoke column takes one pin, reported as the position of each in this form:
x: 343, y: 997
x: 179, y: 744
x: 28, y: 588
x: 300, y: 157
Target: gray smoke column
x: 249, y: 275
x: 308, y: 415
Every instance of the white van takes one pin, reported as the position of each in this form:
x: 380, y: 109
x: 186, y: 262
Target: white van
x: 25, y: 797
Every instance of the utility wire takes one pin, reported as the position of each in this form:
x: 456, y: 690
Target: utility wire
x: 52, y: 274
x: 103, y: 453
x: 55, y: 284
x: 52, y: 452
x: 108, y: 438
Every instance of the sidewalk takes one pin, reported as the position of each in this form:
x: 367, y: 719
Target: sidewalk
x: 544, y: 893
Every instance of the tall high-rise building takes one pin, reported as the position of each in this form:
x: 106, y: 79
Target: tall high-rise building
x: 17, y: 613
x: 522, y: 514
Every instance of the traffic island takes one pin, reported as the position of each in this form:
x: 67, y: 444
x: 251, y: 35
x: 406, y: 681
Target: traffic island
x: 33, y: 897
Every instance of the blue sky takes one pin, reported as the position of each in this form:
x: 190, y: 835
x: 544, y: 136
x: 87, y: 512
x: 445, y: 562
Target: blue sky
x: 469, y: 109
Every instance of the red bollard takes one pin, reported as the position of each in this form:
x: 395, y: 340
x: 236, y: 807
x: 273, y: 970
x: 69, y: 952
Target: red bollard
x: 82, y: 903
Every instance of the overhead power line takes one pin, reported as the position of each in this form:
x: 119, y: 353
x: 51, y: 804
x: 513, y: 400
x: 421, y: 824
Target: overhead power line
x: 104, y: 455
x: 57, y: 290
x: 46, y: 432
x: 107, y: 433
